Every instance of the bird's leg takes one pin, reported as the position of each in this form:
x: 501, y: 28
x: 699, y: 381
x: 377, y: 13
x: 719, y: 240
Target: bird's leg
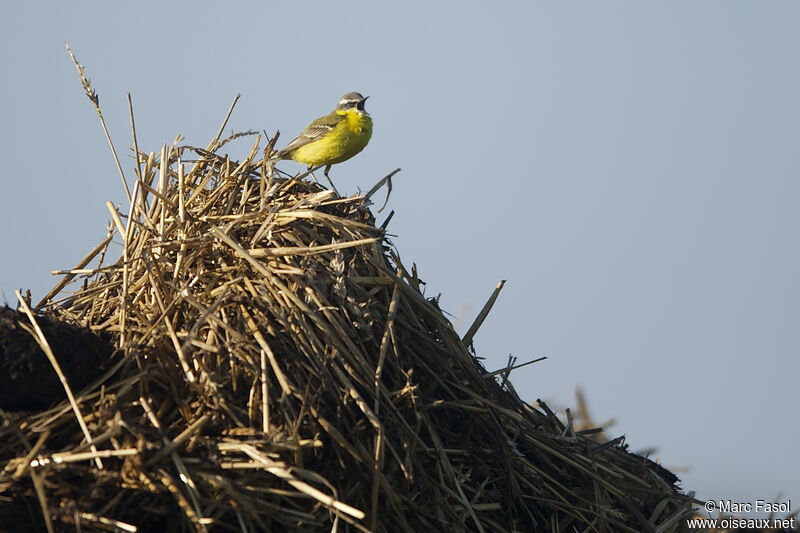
x: 313, y: 176
x: 327, y: 169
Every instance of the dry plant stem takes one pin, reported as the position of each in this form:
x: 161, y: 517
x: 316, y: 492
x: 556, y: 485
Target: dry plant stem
x: 70, y: 457
x: 386, y: 180
x: 24, y: 463
x: 387, y: 334
x: 377, y: 477
x: 42, y: 497
x: 487, y: 307
x: 42, y: 340
x: 214, y: 142
x: 282, y: 472
x: 286, y: 387
x: 172, y: 446
x: 309, y: 250
x: 92, y: 95
x: 169, y: 449
x: 116, y: 218
x: 133, y: 138
x: 126, y: 247
x: 264, y: 393
x: 507, y: 369
x: 445, y: 462
x: 69, y: 277
x: 105, y: 523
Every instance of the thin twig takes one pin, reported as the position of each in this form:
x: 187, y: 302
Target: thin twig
x: 487, y: 307
x: 45, y: 346
x: 92, y: 95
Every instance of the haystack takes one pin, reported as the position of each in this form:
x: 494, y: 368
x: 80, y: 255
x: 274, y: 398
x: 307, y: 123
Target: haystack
x: 277, y: 368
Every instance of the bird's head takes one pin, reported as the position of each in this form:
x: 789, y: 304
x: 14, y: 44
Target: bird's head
x: 352, y: 101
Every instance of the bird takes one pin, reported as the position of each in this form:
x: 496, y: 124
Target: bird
x: 334, y: 138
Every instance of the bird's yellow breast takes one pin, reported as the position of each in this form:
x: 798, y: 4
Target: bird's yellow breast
x: 345, y: 140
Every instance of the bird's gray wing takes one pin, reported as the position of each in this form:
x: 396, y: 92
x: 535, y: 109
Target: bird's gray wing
x: 313, y: 132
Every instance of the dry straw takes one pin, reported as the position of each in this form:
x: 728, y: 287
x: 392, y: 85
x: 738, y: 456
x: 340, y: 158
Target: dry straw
x: 279, y: 369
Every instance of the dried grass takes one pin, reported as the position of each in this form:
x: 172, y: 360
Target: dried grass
x: 279, y: 369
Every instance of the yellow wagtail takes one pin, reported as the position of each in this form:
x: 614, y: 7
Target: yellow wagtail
x: 334, y: 138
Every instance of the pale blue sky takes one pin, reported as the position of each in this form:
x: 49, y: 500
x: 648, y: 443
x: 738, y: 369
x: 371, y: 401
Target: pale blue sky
x: 631, y: 168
